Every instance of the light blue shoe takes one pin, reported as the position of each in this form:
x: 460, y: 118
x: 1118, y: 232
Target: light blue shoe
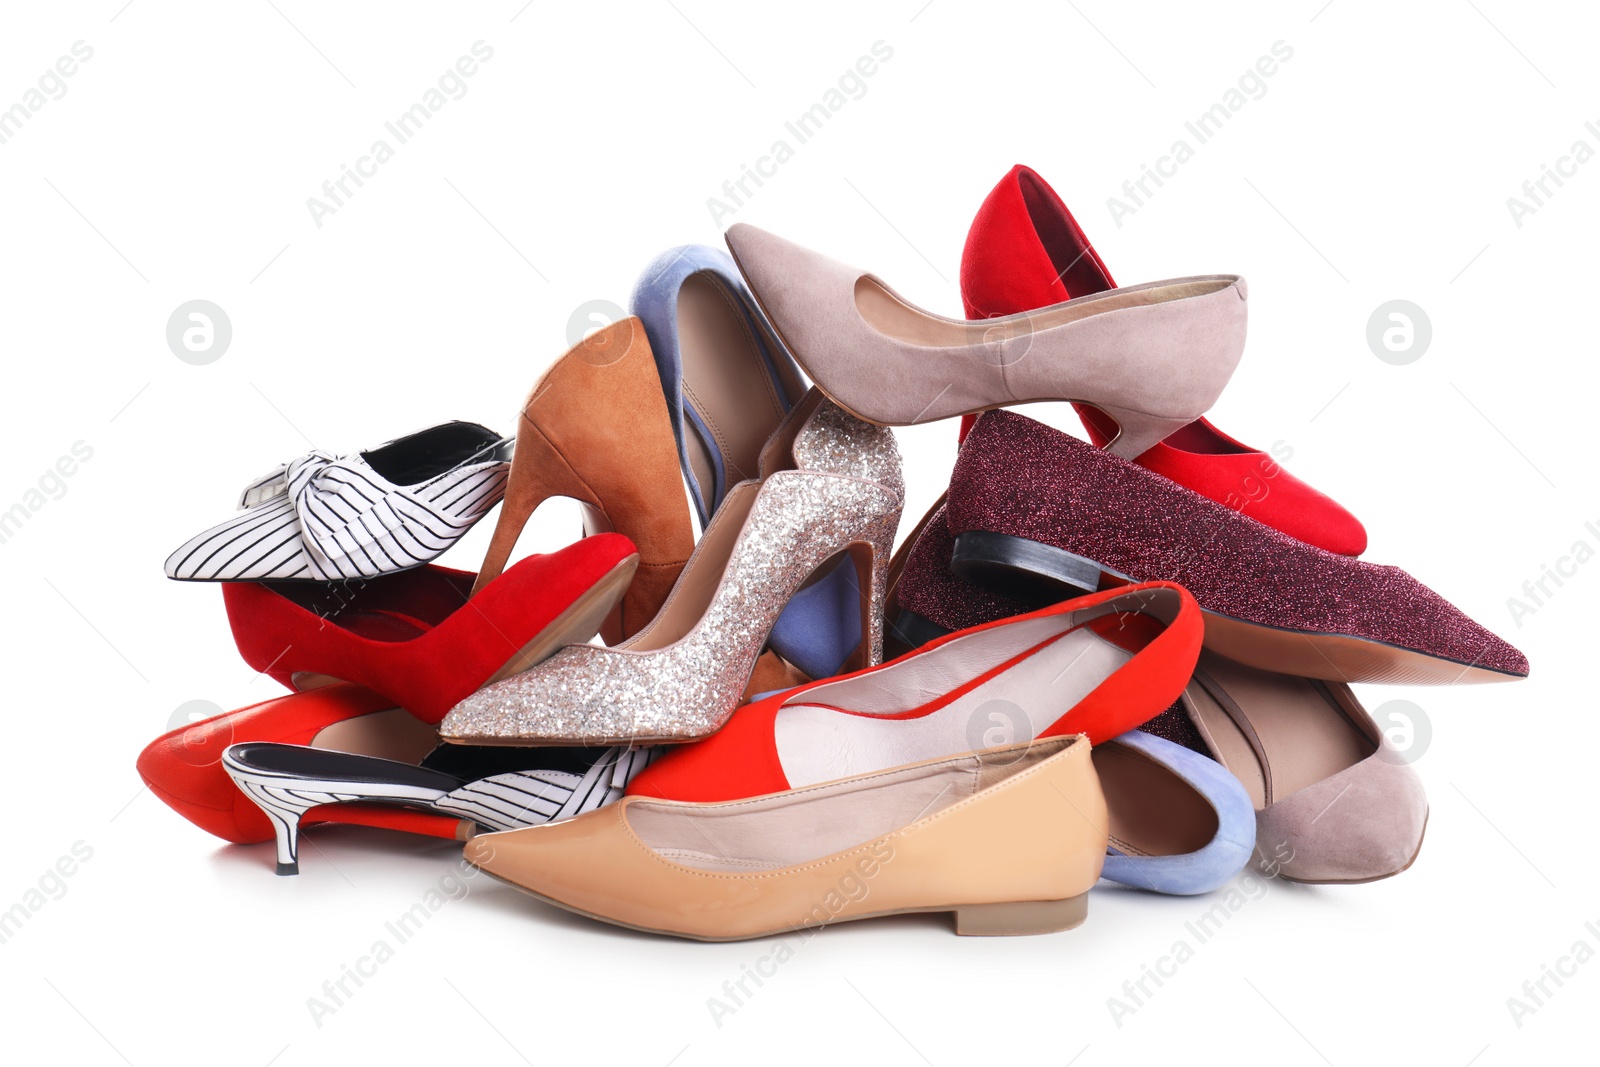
x: 728, y: 383
x: 1180, y: 823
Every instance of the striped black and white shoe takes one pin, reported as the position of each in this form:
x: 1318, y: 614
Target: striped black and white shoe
x: 286, y: 781
x: 323, y: 517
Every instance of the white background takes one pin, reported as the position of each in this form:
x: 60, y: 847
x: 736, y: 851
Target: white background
x: 177, y: 166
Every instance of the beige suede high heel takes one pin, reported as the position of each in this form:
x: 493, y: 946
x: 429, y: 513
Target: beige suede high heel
x: 1007, y: 840
x: 1154, y: 357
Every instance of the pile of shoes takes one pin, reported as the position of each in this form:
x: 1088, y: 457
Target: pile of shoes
x: 1127, y: 657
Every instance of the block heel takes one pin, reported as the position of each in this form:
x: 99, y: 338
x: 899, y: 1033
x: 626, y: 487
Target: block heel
x: 1023, y: 570
x: 1021, y: 917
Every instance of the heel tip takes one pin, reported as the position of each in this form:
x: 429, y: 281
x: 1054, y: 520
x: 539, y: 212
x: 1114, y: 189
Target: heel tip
x: 1021, y: 917
x: 288, y: 868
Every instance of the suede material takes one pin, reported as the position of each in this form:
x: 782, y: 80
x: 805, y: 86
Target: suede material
x: 1005, y: 265
x: 927, y: 587
x: 1155, y: 367
x: 1025, y: 251
x: 1363, y: 823
x: 430, y: 671
x: 655, y: 303
x: 1224, y: 856
x: 595, y: 428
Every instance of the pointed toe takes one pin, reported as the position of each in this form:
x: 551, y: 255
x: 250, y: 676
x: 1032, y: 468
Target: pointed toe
x: 1362, y: 824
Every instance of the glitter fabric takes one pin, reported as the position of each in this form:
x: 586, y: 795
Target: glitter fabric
x: 846, y: 488
x: 1019, y: 477
x: 927, y: 587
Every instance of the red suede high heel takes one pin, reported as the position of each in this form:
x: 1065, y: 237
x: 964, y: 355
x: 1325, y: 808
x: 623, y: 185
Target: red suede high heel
x: 1026, y: 251
x: 413, y: 636
x: 183, y: 767
x: 1100, y: 665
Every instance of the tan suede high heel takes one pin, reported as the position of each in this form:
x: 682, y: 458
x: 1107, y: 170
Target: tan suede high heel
x: 595, y: 429
x: 1007, y: 840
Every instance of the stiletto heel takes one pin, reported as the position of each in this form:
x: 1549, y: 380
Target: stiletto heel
x: 540, y: 474
x: 871, y: 573
x: 595, y: 428
x: 1138, y: 431
x: 282, y: 805
x: 830, y: 484
x: 1022, y: 917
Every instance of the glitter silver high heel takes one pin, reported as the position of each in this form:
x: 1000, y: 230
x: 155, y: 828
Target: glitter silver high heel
x: 830, y: 484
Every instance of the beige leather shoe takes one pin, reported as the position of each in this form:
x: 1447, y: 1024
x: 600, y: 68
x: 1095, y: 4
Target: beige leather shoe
x: 1154, y: 357
x: 1009, y: 840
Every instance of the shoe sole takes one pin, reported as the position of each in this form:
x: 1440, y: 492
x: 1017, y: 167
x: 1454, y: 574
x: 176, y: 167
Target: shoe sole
x: 972, y: 920
x: 1034, y: 573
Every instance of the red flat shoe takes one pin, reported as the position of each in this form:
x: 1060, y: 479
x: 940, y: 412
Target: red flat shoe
x: 412, y: 637
x: 1026, y: 251
x: 184, y: 766
x: 1100, y: 665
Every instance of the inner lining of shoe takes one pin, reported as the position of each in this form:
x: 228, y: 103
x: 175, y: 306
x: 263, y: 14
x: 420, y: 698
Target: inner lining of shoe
x: 789, y: 828
x: 1201, y: 438
x: 887, y: 313
x: 728, y: 383
x: 1153, y: 812
x: 391, y: 734
x: 698, y: 583
x: 1076, y: 266
x: 1053, y: 667
x: 1307, y: 730
x: 431, y: 452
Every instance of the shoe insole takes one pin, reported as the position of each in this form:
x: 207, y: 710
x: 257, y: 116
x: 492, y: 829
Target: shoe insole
x: 1153, y: 812
x: 393, y: 734
x: 817, y: 743
x: 734, y: 402
x: 789, y: 828
x: 434, y: 451
x: 1304, y: 733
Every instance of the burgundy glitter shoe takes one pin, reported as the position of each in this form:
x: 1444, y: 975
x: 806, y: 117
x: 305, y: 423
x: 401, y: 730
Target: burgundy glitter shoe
x: 1040, y: 516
